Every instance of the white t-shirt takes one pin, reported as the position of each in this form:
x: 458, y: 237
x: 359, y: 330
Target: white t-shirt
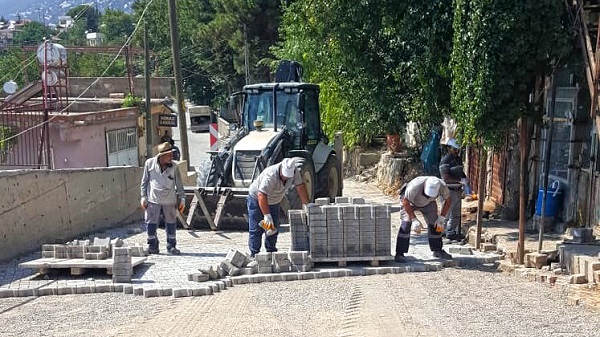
x: 270, y: 183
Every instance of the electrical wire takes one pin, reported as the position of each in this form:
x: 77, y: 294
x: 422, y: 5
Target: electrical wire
x: 93, y: 83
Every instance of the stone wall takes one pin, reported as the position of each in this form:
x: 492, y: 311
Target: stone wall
x: 55, y: 206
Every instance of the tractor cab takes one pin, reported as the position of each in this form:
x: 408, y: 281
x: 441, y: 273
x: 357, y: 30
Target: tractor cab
x: 293, y: 107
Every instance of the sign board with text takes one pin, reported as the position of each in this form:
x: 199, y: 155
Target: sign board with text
x: 167, y: 120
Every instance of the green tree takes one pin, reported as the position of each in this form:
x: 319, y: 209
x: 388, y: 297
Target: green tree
x: 13, y: 65
x: 32, y: 33
x: 499, y: 49
x: 86, y: 19
x: 116, y: 26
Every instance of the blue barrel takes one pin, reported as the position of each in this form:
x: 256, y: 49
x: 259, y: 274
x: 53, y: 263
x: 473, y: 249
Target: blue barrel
x: 554, y: 200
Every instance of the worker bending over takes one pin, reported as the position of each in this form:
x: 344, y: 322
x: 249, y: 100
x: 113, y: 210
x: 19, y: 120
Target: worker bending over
x: 264, y: 198
x: 420, y: 194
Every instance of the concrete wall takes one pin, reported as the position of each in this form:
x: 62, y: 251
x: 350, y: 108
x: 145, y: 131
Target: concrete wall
x: 55, y: 206
x: 160, y: 87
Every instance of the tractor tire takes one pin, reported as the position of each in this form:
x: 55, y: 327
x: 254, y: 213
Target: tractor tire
x: 330, y: 179
x: 207, y: 174
x: 307, y: 172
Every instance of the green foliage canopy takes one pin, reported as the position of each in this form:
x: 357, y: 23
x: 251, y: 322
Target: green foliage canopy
x: 499, y: 48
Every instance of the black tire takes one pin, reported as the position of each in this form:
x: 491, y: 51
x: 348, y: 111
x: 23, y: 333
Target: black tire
x: 330, y: 179
x: 307, y: 172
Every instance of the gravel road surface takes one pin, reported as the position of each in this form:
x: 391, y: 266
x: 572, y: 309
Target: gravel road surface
x: 451, y: 302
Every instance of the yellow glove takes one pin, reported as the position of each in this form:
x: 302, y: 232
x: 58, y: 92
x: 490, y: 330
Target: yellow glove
x: 181, y: 205
x: 439, y: 224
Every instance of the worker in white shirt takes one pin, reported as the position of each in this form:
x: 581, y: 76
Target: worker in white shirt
x: 264, y: 198
x: 420, y: 194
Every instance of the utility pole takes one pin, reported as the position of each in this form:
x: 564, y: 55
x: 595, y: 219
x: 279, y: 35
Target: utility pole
x: 246, y: 61
x: 147, y: 94
x: 522, y: 202
x: 178, y: 82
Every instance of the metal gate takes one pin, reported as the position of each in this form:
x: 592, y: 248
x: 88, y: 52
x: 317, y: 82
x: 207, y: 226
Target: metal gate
x: 23, y: 138
x: 122, y: 147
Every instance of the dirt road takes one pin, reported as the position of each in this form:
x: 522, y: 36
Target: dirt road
x: 451, y: 302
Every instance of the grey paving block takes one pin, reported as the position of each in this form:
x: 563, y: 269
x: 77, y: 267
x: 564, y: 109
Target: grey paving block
x: 342, y: 200
x: 322, y: 201
x: 259, y: 278
x: 101, y: 242
x: 202, y: 291
x: 128, y: 289
x: 121, y: 278
x: 180, y: 292
x: 44, y: 291
x: 138, y: 291
x: 265, y: 270
x: 306, y: 276
x: 357, y: 200
x: 290, y: 276
x: 102, y: 288
x: 118, y: 287
x: 165, y: 291
x: 151, y: 292
x: 23, y: 292
x: 236, y: 258
x: 65, y: 290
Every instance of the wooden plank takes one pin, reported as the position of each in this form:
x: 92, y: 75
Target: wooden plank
x: 182, y: 220
x: 205, y: 211
x: 192, y: 210
x: 353, y: 259
x: 49, y: 263
x: 220, y: 207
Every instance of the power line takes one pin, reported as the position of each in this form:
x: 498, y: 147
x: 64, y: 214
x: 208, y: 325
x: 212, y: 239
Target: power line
x: 93, y: 83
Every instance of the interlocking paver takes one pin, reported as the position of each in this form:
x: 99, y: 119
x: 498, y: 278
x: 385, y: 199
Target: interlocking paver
x: 167, y: 275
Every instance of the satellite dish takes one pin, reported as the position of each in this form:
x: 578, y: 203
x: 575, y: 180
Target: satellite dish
x: 10, y: 87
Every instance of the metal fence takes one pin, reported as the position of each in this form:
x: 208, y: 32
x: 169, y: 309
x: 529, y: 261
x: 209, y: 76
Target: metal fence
x: 24, y: 138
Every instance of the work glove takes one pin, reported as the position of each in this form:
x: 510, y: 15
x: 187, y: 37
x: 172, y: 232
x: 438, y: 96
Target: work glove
x: 143, y: 203
x: 269, y: 225
x: 181, y: 205
x: 440, y: 223
x: 416, y: 226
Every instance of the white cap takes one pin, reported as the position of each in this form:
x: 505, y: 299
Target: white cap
x: 432, y: 187
x: 288, y: 167
x: 452, y: 142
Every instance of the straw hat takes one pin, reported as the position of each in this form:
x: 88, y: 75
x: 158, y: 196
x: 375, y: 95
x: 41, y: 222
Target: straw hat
x: 164, y: 148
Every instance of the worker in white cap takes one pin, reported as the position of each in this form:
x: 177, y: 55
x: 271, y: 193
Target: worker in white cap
x: 264, y: 198
x: 420, y: 194
x: 453, y: 174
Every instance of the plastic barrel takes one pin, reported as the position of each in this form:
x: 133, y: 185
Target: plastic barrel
x: 554, y: 200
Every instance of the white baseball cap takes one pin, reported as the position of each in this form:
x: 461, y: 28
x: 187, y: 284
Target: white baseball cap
x: 288, y: 167
x: 452, y: 142
x: 432, y: 187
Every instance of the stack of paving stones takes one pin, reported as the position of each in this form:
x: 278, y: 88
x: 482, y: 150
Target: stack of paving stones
x: 122, y: 270
x: 298, y: 230
x: 349, y: 228
x: 99, y: 249
x: 237, y: 263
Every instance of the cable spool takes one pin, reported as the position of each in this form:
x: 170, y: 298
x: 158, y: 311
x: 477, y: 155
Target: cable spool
x: 55, y: 54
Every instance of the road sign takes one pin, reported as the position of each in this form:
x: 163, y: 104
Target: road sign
x: 167, y: 120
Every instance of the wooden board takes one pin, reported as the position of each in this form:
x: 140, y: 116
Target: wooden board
x: 49, y: 263
x: 342, y: 261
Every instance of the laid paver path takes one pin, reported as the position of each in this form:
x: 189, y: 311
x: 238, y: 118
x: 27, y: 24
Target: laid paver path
x: 202, y: 248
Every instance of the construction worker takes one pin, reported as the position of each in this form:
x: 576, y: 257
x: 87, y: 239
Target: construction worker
x: 453, y: 174
x: 264, y: 198
x: 162, y: 190
x: 420, y: 194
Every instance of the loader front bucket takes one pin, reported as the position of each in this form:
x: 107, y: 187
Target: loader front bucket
x: 218, y: 208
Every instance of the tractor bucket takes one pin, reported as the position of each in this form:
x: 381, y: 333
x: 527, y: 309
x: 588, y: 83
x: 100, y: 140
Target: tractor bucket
x: 218, y: 208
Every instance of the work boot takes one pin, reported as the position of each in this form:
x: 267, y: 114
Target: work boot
x: 173, y: 251
x: 153, y: 251
x: 400, y: 258
x: 441, y: 254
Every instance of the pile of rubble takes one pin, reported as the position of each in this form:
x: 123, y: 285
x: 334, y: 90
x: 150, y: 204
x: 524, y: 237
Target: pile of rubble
x: 237, y: 263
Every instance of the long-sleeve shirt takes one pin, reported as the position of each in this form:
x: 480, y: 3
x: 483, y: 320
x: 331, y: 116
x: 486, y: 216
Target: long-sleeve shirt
x: 161, y: 187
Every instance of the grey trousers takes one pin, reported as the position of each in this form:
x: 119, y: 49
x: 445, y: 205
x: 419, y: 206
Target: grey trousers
x: 453, y: 217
